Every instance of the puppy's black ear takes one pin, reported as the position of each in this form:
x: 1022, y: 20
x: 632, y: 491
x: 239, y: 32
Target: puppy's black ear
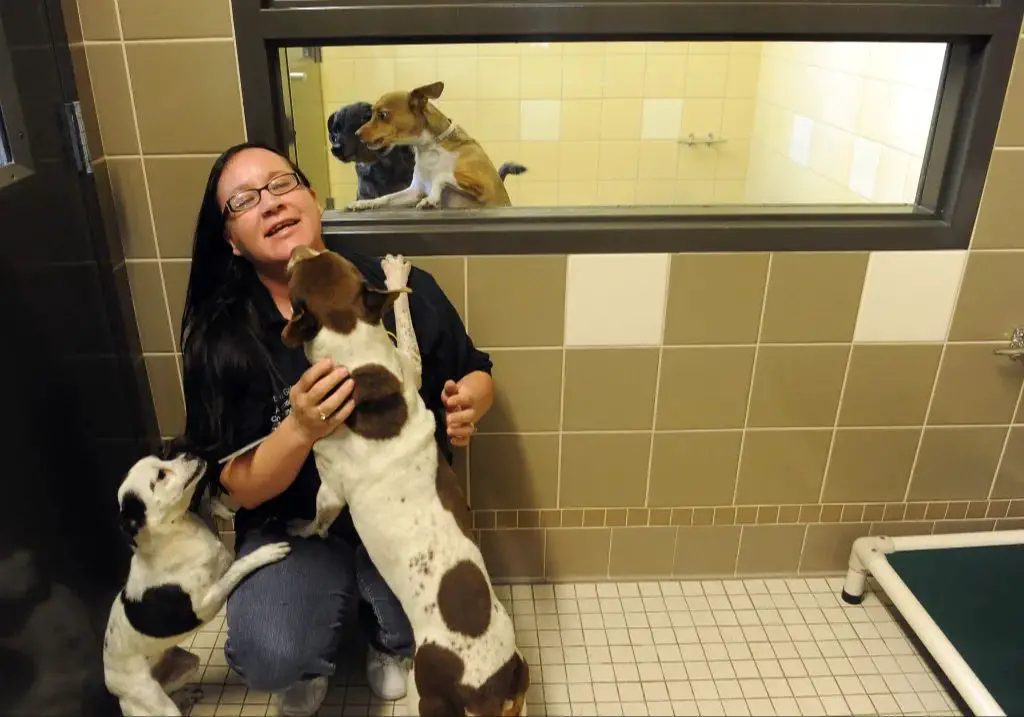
x: 133, y: 516
x: 301, y: 327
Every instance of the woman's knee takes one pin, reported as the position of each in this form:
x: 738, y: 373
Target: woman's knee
x: 267, y: 659
x: 284, y: 621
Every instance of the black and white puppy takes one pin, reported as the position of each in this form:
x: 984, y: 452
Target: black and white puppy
x: 383, y: 172
x: 180, y: 577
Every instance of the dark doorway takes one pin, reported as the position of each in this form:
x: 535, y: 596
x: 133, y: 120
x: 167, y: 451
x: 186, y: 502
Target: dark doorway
x: 73, y: 419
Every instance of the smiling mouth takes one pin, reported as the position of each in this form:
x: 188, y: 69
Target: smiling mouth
x: 280, y: 227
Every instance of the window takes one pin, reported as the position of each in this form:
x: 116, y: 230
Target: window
x: 764, y: 125
x: 15, y: 158
x: 5, y: 152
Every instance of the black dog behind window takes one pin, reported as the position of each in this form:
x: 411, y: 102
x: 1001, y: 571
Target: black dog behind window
x: 383, y: 172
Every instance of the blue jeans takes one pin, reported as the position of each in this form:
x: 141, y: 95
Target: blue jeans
x: 285, y: 620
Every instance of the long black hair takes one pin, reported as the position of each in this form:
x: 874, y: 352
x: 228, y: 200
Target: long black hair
x: 224, y: 361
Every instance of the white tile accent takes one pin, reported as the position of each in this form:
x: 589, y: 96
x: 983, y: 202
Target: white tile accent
x: 615, y: 299
x: 909, y: 295
x: 540, y: 120
x: 662, y: 119
x: 800, y: 139
x: 864, y: 167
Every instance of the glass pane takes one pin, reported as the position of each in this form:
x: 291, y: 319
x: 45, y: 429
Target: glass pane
x: 5, y: 151
x: 619, y: 124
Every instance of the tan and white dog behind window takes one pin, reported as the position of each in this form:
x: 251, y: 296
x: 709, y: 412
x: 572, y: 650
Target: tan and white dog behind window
x: 452, y: 170
x: 404, y: 498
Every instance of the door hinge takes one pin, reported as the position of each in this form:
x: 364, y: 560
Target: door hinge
x: 79, y: 141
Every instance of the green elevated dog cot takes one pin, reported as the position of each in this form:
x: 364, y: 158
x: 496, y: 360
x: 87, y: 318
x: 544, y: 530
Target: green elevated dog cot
x: 963, y: 596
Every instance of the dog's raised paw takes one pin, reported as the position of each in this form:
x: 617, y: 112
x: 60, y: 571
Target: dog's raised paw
x: 272, y: 553
x: 396, y: 271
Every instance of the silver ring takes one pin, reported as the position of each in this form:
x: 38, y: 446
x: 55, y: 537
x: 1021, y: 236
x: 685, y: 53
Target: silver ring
x: 322, y: 416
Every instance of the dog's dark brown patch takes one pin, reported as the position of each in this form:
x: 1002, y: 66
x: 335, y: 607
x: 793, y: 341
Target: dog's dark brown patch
x: 464, y: 599
x: 439, y: 673
x: 452, y: 498
x: 380, y: 410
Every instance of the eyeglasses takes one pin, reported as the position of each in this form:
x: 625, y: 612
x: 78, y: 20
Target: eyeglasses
x: 249, y: 198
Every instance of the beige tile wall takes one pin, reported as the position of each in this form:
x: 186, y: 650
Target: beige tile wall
x: 658, y: 414
x: 842, y: 122
x: 594, y: 122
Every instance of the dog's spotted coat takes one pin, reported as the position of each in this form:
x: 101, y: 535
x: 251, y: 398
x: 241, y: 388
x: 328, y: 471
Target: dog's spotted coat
x: 180, y: 577
x: 404, y: 498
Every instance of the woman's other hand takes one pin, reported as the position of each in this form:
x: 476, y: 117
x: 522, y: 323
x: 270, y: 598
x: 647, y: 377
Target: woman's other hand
x: 321, y: 400
x: 460, y: 412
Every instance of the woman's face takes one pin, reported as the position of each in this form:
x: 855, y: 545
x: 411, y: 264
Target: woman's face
x: 266, y: 231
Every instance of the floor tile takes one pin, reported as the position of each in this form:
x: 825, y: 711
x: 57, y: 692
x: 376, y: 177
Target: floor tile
x: 712, y: 647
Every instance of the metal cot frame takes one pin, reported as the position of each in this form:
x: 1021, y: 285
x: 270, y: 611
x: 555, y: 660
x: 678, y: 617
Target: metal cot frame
x: 869, y: 556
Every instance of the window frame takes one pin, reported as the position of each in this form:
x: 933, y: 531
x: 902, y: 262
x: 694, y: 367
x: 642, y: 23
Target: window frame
x: 12, y: 120
x: 983, y: 38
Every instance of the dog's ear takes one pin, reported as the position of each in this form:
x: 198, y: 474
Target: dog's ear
x: 418, y: 97
x: 362, y: 113
x: 376, y: 301
x: 132, y: 516
x: 301, y: 327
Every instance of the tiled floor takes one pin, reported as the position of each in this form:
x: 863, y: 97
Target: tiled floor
x: 734, y: 647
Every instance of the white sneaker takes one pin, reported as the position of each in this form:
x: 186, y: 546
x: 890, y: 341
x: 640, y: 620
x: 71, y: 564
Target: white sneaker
x: 387, y: 675
x: 302, y: 699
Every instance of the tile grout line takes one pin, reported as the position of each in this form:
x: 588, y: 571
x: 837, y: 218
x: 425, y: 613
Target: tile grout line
x: 238, y: 71
x: 938, y: 373
x: 835, y: 423
x: 739, y: 546
x: 1006, y: 442
x: 163, y: 155
x: 149, y: 203
x: 753, y: 372
x: 561, y: 388
x: 162, y: 40
x: 561, y: 418
x: 671, y: 431
x: 657, y: 383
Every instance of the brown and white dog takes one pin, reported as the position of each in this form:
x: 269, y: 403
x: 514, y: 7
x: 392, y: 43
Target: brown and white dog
x: 404, y: 498
x: 452, y: 169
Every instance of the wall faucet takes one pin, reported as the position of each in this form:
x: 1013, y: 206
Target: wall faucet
x: 1015, y: 351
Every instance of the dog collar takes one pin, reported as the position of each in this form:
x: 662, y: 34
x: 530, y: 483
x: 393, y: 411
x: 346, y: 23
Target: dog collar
x: 447, y: 132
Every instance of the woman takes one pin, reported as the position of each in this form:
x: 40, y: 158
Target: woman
x: 242, y: 384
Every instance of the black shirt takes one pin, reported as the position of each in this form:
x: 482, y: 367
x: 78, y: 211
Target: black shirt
x: 446, y: 352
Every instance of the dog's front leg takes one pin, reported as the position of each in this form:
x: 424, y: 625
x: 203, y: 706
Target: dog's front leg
x: 217, y: 595
x: 328, y: 507
x: 396, y: 276
x: 138, y: 692
x: 408, y: 197
x: 433, y: 199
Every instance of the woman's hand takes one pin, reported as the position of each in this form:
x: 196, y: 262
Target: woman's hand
x: 465, y: 403
x: 316, y: 411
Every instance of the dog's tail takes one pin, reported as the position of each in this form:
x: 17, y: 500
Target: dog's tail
x: 510, y: 168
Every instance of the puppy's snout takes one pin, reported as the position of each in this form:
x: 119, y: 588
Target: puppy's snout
x: 363, y: 131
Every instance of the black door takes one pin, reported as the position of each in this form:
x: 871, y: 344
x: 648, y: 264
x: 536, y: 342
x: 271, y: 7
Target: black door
x: 72, y: 417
